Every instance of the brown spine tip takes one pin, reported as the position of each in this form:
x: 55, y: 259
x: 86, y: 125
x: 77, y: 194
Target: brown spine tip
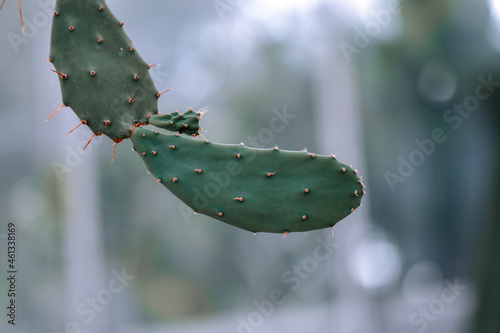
x: 270, y: 174
x: 285, y: 233
x: 352, y: 210
x: 159, y: 180
x: 62, y: 75
x: 144, y: 153
x: 175, y: 179
x: 356, y: 192
x: 131, y: 100
x: 198, y: 170
x: 136, y: 77
x: 100, y: 40
x: 92, y: 72
x: 238, y: 155
x: 307, y: 190
x: 334, y: 156
x: 185, y: 125
x: 90, y: 140
x: 343, y: 169
x: 154, y: 152
x: 62, y: 106
x: 220, y: 214
x: 207, y: 141
x: 107, y: 123
x: 144, y: 135
x: 82, y: 122
x: 56, y: 13
x: 304, y: 217
x: 71, y: 28
x: 312, y: 155
x: 122, y: 23
x: 156, y: 132
x: 276, y: 148
x: 101, y: 8
x: 240, y: 199
x: 159, y: 94
x: 117, y: 141
x: 172, y: 147
x: 132, y: 49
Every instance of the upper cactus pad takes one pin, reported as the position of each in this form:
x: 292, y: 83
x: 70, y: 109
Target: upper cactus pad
x: 260, y: 190
x: 103, y: 78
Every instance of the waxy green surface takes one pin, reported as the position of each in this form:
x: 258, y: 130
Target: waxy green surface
x: 259, y: 190
x: 103, y: 78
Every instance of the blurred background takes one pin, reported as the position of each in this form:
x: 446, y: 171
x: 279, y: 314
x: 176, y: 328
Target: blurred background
x: 404, y: 91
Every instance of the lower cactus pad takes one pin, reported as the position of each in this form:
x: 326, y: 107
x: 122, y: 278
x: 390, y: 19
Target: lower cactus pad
x: 259, y: 190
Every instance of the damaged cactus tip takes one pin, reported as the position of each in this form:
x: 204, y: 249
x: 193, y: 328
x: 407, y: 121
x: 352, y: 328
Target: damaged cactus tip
x: 183, y: 123
x: 259, y: 190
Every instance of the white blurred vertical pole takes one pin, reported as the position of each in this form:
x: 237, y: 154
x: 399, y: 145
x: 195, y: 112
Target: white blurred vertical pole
x: 82, y: 245
x: 339, y: 131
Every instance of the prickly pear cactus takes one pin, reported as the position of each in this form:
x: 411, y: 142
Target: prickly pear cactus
x: 260, y: 190
x: 102, y: 76
x: 108, y: 85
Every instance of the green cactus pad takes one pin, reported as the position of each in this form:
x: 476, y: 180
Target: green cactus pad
x: 184, y: 123
x: 259, y: 190
x: 103, y: 78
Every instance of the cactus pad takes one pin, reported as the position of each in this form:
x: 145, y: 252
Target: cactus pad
x: 259, y: 190
x: 184, y: 123
x: 103, y: 78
